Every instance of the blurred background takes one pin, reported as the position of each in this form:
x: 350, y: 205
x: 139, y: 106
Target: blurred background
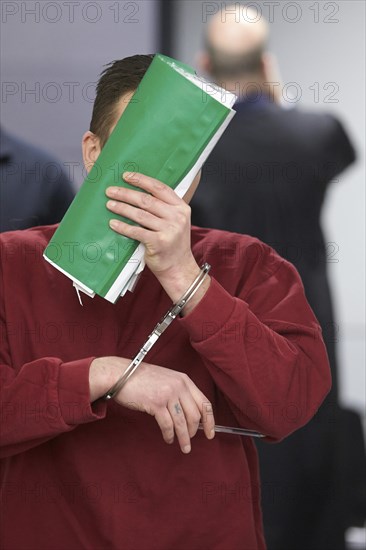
x: 53, y: 52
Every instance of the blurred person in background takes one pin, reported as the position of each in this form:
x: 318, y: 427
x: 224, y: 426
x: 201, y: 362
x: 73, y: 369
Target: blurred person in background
x: 268, y: 177
x: 35, y: 190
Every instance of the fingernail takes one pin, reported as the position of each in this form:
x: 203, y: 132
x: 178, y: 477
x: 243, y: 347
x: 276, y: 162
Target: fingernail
x: 212, y: 434
x: 111, y: 191
x: 187, y: 449
x: 128, y: 175
x: 113, y: 224
x: 111, y: 204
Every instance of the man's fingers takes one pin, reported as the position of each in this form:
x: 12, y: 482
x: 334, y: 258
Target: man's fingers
x: 156, y: 205
x: 153, y: 186
x: 208, y: 419
x: 165, y: 422
x: 205, y: 408
x: 142, y: 217
x: 192, y: 414
x: 140, y: 200
x: 132, y: 231
x: 183, y: 416
x: 173, y: 399
x: 180, y: 425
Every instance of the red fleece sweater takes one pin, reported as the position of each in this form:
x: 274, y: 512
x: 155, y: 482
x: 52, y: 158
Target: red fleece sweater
x: 81, y: 476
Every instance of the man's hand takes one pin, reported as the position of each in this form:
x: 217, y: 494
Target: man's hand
x: 165, y: 230
x: 170, y: 396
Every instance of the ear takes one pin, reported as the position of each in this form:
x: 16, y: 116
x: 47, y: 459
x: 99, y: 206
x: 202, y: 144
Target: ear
x: 271, y: 73
x: 91, y: 149
x: 203, y: 63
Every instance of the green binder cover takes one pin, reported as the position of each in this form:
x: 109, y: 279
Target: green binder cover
x: 167, y: 131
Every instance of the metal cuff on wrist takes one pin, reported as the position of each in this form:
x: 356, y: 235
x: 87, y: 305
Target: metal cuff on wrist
x: 171, y: 314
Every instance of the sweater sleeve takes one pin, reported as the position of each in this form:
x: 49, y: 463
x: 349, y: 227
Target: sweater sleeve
x: 264, y: 351
x: 42, y: 398
x: 46, y: 398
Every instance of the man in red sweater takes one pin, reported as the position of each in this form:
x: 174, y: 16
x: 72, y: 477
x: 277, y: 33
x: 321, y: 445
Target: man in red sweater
x: 79, y: 472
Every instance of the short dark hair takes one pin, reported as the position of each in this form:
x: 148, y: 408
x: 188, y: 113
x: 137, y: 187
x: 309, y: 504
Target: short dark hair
x: 118, y: 78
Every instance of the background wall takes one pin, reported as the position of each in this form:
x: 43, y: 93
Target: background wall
x: 51, y: 55
x: 320, y: 47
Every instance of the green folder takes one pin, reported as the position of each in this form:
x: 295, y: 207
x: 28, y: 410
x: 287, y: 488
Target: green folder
x: 168, y: 129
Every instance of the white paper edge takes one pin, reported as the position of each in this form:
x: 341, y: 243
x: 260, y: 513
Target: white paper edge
x: 81, y: 285
x: 215, y: 91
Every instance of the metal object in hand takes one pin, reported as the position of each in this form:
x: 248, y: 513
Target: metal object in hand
x: 232, y: 430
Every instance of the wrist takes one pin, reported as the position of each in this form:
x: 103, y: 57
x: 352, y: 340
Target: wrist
x: 180, y: 281
x: 103, y: 373
x: 194, y: 301
x: 177, y: 279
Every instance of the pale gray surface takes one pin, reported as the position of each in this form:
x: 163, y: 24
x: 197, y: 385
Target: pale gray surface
x: 61, y: 60
x: 330, y: 52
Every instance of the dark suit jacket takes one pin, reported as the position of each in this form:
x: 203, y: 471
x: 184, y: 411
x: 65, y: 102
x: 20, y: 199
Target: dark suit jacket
x: 34, y: 187
x: 268, y: 177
